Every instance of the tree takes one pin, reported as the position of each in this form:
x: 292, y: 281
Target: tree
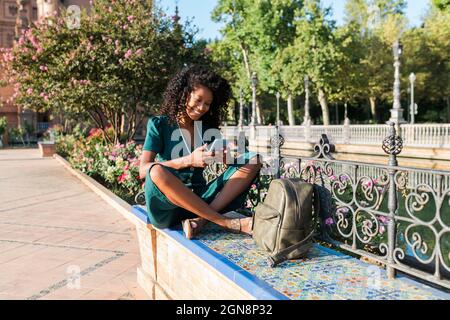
x: 427, y: 55
x: 112, y: 69
x: 314, y: 51
x: 253, y: 34
x: 376, y: 24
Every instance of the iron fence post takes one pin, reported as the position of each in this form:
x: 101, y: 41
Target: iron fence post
x: 392, y: 145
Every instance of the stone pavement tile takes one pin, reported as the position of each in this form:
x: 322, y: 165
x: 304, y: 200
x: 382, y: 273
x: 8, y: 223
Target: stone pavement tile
x: 61, y: 237
x: 139, y: 293
x: 109, y: 241
x: 76, y: 238
x: 7, y: 227
x: 65, y: 293
x: 22, y: 251
x: 6, y: 246
x: 34, y: 197
x: 98, y: 294
x: 43, y: 252
x: 117, y: 266
x: 129, y: 279
x: 96, y: 279
x: 109, y: 282
x: 119, y: 288
x: 23, y: 288
x: 88, y: 263
x: 30, y: 266
x: 25, y: 234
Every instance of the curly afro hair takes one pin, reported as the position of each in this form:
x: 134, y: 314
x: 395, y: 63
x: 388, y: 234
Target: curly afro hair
x: 184, y: 82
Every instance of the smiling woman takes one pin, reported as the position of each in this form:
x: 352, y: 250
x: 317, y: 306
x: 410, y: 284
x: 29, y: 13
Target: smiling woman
x: 175, y: 190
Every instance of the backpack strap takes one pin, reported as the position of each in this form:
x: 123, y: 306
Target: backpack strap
x: 303, y: 245
x: 281, y: 256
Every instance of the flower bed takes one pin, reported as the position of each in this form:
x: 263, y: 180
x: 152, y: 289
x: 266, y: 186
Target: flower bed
x: 116, y: 166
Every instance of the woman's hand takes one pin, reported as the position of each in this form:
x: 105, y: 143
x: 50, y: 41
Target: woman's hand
x: 200, y: 157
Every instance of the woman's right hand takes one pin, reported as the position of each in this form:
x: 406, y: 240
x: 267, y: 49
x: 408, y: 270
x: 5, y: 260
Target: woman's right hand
x: 200, y: 157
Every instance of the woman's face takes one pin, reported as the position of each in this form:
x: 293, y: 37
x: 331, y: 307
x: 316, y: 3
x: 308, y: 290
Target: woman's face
x: 199, y: 102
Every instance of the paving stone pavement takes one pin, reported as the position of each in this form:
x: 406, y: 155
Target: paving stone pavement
x: 58, y: 239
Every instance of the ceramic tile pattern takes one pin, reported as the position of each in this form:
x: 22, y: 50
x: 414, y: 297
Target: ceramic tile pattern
x: 323, y: 275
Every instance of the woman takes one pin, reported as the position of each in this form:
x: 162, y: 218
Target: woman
x: 175, y: 189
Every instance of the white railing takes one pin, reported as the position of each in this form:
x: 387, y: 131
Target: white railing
x: 418, y: 135
x: 427, y: 134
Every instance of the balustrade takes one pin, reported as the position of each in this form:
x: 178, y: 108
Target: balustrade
x: 417, y: 135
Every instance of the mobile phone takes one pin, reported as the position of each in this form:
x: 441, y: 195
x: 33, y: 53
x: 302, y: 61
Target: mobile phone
x: 217, y: 145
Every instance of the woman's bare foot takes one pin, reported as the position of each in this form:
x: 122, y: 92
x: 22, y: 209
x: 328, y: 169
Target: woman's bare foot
x: 192, y: 227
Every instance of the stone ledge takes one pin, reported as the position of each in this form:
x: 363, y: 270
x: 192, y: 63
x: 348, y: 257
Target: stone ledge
x: 219, y: 278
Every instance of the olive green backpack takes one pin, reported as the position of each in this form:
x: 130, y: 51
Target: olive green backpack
x: 283, y: 223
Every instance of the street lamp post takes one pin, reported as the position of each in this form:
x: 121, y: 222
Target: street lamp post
x: 254, y: 84
x: 346, y: 119
x: 307, y: 118
x: 408, y: 114
x: 397, y: 111
x: 412, y: 79
x: 241, y: 110
x: 278, y: 110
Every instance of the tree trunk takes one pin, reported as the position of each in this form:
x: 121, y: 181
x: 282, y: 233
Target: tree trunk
x: 448, y: 109
x: 259, y: 116
x: 373, y: 108
x: 324, y: 105
x: 246, y: 62
x: 290, y: 108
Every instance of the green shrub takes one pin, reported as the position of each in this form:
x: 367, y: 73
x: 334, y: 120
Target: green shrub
x: 3, y: 125
x: 114, y: 166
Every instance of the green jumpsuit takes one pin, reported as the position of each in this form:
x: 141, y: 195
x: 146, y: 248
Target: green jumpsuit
x: 161, y: 211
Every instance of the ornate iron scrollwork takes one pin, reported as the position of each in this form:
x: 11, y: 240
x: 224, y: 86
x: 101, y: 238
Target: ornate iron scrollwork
x: 276, y: 141
x: 393, y: 143
x: 324, y: 148
x: 140, y: 198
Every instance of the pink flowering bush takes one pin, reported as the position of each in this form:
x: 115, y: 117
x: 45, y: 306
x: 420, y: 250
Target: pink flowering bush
x: 113, y: 67
x: 119, y: 167
x: 116, y: 166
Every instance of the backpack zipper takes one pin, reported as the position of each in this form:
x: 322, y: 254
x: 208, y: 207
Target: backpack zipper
x: 289, y: 185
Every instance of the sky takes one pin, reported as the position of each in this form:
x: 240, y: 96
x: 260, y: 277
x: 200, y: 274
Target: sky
x: 200, y: 11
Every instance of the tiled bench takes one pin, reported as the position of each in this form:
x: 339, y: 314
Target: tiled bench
x: 223, y: 265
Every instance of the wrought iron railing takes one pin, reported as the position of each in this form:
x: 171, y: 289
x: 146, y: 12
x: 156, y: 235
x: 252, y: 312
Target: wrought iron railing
x: 396, y: 216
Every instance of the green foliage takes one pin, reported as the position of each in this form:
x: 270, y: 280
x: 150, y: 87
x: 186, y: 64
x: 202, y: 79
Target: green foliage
x: 283, y: 41
x: 17, y: 134
x: 254, y: 34
x: 427, y: 54
x: 114, y: 165
x: 441, y: 4
x: 3, y: 125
